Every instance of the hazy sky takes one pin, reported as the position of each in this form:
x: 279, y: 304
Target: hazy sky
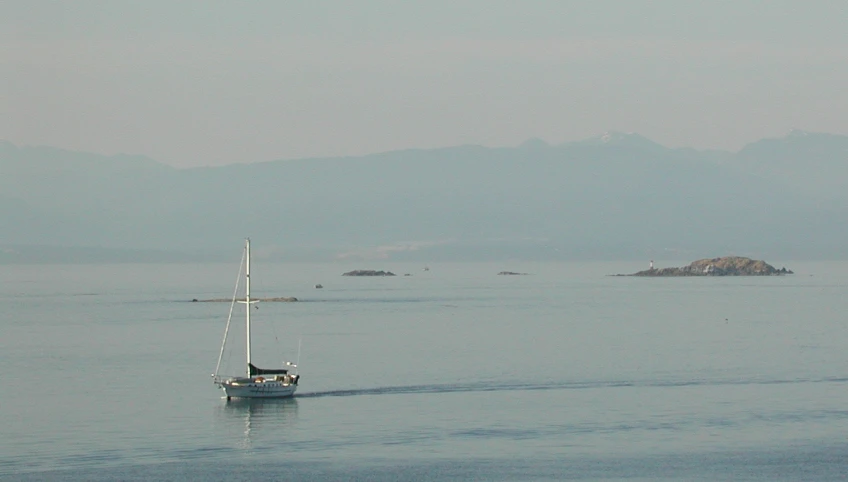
x: 211, y: 82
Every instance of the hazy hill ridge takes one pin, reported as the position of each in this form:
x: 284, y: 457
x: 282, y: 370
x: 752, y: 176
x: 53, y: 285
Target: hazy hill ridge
x: 617, y: 195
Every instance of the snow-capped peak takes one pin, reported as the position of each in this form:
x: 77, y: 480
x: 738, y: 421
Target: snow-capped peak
x: 797, y: 133
x: 616, y: 136
x: 618, y: 139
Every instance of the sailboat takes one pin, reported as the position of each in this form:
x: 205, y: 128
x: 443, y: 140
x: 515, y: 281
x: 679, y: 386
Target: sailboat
x: 258, y: 382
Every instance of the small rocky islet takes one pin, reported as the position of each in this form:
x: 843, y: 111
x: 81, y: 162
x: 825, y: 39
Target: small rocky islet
x: 368, y: 272
x: 724, y: 266
x: 228, y: 300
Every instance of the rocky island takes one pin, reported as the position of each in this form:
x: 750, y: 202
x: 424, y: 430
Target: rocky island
x: 273, y: 299
x: 725, y: 266
x: 368, y: 272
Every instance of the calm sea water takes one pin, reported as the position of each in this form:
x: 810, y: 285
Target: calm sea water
x: 452, y: 373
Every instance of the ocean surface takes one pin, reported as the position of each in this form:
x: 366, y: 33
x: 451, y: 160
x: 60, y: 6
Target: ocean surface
x: 454, y: 373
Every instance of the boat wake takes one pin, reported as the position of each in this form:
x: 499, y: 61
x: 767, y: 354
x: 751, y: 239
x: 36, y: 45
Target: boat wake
x: 534, y: 386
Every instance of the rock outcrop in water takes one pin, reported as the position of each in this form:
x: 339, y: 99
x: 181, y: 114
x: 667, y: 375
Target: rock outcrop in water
x: 367, y: 272
x: 273, y: 299
x: 726, y: 266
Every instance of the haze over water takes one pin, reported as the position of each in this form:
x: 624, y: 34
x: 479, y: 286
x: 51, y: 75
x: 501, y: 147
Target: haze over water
x: 565, y: 373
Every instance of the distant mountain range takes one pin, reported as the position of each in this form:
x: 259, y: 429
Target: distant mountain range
x: 615, y: 196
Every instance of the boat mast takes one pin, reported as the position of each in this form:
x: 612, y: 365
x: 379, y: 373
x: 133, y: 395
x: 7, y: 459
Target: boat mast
x: 247, y: 300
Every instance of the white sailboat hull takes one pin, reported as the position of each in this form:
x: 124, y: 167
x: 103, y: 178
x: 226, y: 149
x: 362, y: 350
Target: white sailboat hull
x: 254, y: 389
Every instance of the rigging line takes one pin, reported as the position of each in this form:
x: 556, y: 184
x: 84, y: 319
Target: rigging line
x: 227, y: 364
x: 230, y: 316
x: 297, y: 360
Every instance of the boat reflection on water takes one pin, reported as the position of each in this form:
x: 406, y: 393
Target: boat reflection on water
x: 257, y: 419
